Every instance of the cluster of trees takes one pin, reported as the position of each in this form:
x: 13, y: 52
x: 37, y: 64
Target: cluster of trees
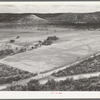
x: 50, y: 40
x: 6, y: 52
x: 12, y: 40
x: 91, y: 84
x: 83, y: 26
x: 86, y: 66
x: 88, y: 26
x: 9, y: 74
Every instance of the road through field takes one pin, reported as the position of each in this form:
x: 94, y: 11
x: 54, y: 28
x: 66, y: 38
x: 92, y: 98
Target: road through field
x: 57, y: 79
x: 71, y: 48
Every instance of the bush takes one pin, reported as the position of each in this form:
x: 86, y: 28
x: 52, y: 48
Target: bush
x: 6, y: 52
x: 12, y: 41
x: 9, y: 74
x: 51, y: 84
x: 17, y: 37
x: 33, y: 85
x: 17, y: 88
x: 47, y: 42
x: 50, y: 40
x: 66, y: 85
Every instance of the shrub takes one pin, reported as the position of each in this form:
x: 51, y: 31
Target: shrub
x: 6, y: 52
x: 17, y: 88
x: 47, y: 42
x: 12, y: 41
x: 50, y: 40
x: 17, y: 37
x: 33, y: 85
x: 65, y: 85
x: 51, y: 84
x: 9, y: 74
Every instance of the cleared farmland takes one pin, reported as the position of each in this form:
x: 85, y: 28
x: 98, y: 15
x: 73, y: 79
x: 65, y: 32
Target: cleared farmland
x: 71, y: 46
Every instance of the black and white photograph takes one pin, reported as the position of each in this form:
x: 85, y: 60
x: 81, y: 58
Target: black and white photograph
x: 50, y: 46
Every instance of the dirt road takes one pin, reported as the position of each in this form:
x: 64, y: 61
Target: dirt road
x: 45, y: 79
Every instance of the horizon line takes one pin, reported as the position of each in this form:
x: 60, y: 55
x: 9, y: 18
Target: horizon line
x: 49, y: 12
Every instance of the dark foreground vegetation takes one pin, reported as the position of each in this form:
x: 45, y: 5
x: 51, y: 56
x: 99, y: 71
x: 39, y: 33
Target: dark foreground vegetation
x: 6, y: 52
x: 9, y: 74
x: 90, y: 84
x: 87, y: 66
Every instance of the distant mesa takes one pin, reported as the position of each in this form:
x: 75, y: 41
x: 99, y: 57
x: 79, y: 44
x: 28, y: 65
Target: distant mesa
x: 56, y: 18
x: 31, y: 19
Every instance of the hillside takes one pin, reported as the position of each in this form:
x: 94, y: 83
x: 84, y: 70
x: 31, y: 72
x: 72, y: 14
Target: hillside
x: 49, y: 19
x: 77, y: 18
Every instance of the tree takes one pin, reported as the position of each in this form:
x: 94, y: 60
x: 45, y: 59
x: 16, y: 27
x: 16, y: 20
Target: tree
x: 17, y: 88
x: 51, y: 84
x: 33, y: 85
x: 17, y: 37
x: 47, y: 42
x: 12, y: 41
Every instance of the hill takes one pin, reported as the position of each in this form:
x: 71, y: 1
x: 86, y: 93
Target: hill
x: 50, y: 19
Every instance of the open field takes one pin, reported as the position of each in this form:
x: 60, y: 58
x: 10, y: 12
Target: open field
x: 71, y: 46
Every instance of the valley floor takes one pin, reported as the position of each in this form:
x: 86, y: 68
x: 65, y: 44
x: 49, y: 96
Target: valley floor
x: 72, y: 46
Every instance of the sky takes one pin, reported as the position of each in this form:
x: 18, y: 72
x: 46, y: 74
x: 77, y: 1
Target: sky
x: 49, y: 7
